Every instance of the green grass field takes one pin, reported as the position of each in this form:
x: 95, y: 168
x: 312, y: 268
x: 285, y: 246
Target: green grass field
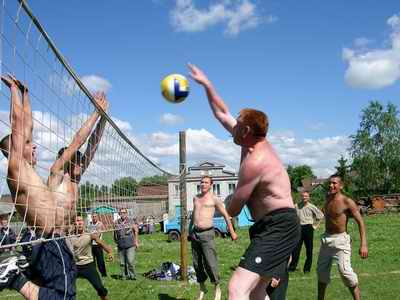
x: 379, y: 275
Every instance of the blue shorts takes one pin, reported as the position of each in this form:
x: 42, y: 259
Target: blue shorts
x: 54, y: 267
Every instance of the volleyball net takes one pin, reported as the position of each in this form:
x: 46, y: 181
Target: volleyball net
x: 43, y: 190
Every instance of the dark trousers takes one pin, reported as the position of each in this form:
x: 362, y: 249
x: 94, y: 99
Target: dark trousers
x: 89, y: 272
x: 204, y: 256
x: 307, y: 237
x: 279, y: 292
x: 98, y: 257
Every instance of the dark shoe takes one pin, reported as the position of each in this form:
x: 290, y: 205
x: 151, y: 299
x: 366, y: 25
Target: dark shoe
x: 292, y: 270
x: 306, y: 272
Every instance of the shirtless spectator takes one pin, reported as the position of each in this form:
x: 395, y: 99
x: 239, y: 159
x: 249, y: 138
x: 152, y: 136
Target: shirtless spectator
x: 202, y: 236
x: 336, y: 243
x: 264, y: 187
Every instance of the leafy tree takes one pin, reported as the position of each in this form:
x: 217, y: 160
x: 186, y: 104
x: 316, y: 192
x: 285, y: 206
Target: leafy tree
x: 297, y: 174
x: 343, y: 169
x: 88, y: 192
x: 375, y: 150
x: 156, y: 180
x: 124, y: 186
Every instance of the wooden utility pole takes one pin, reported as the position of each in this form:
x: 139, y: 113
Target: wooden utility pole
x: 184, y: 216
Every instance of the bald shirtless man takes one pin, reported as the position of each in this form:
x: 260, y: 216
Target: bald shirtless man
x: 66, y: 172
x: 202, y: 236
x: 264, y: 187
x: 336, y: 243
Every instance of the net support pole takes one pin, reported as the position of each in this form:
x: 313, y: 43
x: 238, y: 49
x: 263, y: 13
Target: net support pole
x: 183, y: 198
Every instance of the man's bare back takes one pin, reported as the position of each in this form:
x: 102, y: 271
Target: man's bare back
x: 272, y: 190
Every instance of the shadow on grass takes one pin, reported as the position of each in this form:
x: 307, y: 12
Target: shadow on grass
x: 167, y: 297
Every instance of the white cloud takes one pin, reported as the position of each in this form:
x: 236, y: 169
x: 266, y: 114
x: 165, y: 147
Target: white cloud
x: 171, y: 119
x: 237, y: 15
x: 374, y: 68
x: 123, y: 125
x: 96, y: 83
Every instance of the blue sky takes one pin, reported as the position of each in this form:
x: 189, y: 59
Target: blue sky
x: 310, y: 65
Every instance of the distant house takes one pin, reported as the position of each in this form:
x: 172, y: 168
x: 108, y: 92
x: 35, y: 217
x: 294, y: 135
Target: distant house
x: 310, y: 184
x: 224, y: 183
x: 151, y: 200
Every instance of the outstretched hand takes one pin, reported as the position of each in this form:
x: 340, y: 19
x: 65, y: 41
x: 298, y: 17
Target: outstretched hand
x: 198, y: 75
x: 9, y: 80
x: 101, y: 100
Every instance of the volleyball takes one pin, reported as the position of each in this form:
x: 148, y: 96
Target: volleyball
x: 175, y: 88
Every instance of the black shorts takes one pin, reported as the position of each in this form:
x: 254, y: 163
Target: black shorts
x: 54, y: 267
x: 272, y: 240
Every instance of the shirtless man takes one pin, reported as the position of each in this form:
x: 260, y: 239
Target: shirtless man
x: 25, y: 185
x: 264, y: 187
x: 36, y: 203
x: 67, y: 170
x: 202, y: 236
x: 336, y: 243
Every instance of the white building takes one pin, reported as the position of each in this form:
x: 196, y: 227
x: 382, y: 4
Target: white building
x: 224, y: 184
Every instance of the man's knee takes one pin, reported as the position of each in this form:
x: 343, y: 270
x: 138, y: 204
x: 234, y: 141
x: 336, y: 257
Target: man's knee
x: 349, y: 278
x: 234, y: 291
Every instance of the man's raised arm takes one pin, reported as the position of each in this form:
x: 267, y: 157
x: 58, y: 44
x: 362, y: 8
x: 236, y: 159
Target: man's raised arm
x: 18, y: 125
x: 96, y: 135
x: 218, y: 106
x: 79, y: 139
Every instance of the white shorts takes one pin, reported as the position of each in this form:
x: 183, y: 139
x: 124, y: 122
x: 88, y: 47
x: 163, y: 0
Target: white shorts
x: 336, y: 247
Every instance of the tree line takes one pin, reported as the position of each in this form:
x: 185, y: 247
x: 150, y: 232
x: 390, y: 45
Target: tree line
x: 372, y: 163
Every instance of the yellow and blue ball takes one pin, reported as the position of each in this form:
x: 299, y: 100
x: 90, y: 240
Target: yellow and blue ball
x: 175, y: 88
